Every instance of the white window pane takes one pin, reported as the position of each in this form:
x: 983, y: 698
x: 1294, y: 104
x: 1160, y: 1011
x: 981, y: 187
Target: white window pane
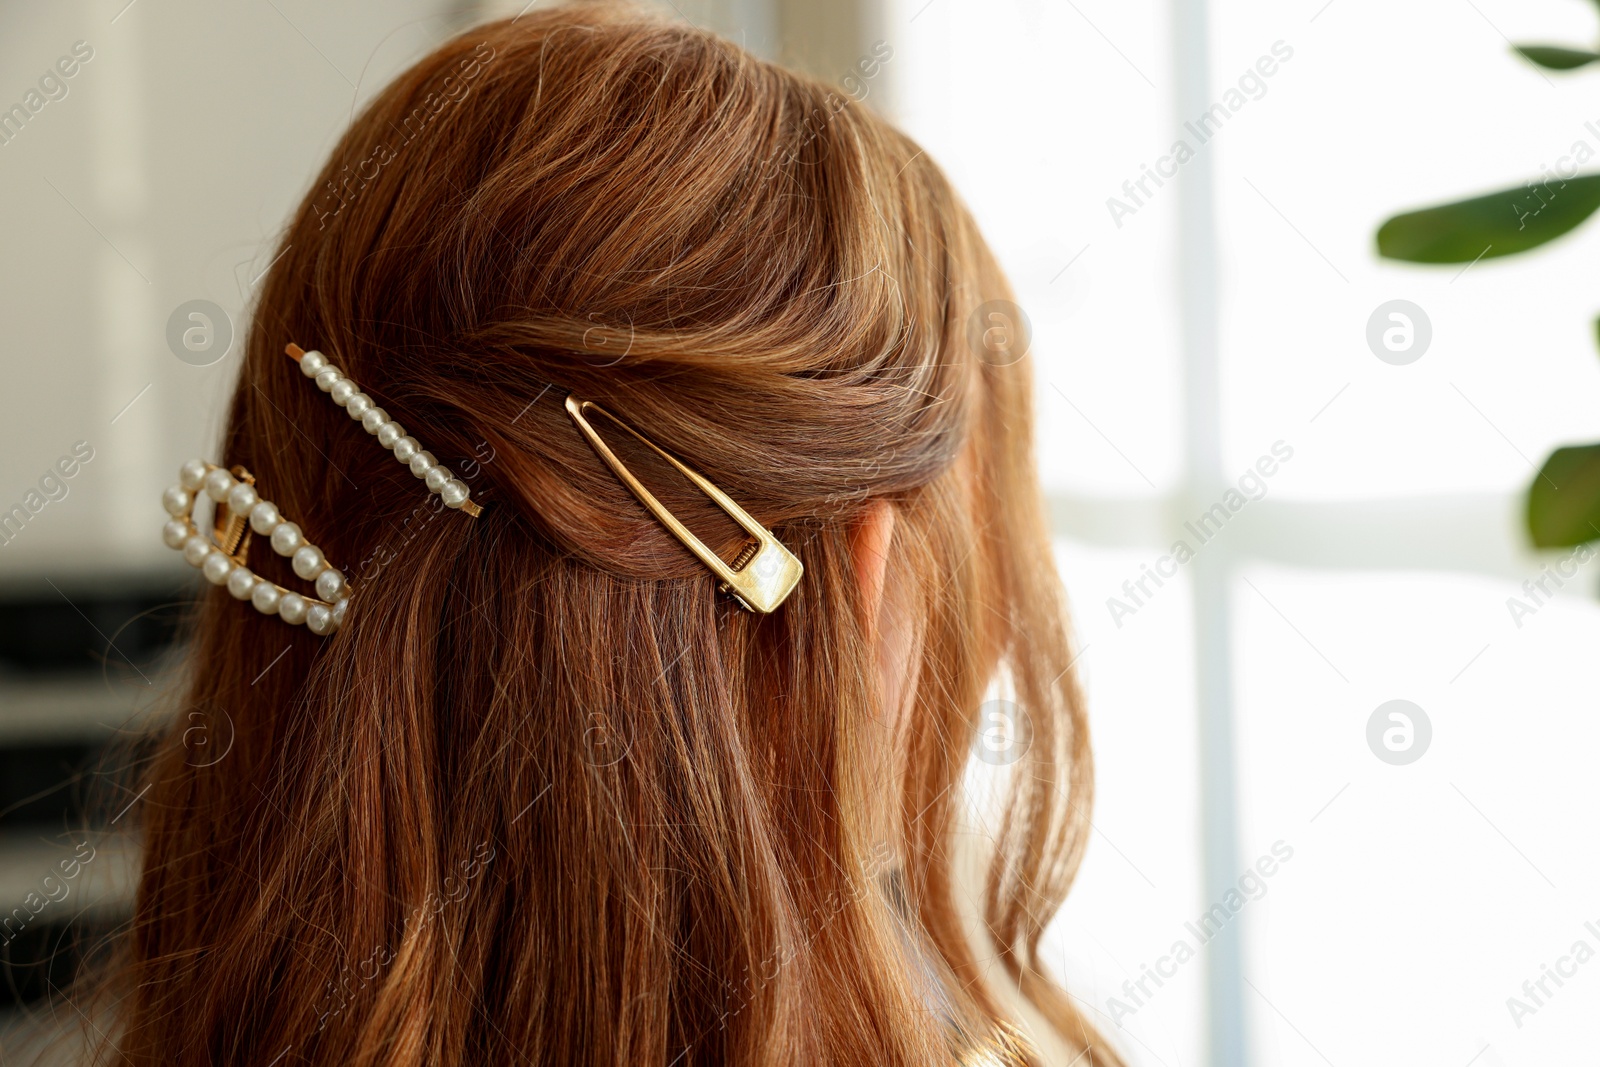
x: 1420, y: 896
x: 1007, y: 98
x: 1141, y: 876
x: 1382, y: 110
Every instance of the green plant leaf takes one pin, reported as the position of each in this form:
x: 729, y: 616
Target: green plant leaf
x: 1499, y: 224
x: 1554, y: 57
x: 1564, y: 500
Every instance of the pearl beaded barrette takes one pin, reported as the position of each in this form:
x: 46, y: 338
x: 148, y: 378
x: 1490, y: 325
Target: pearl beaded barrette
x: 223, y: 558
x: 391, y: 435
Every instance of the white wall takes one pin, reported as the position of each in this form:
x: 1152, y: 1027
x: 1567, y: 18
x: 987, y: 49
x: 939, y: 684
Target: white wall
x: 162, y: 176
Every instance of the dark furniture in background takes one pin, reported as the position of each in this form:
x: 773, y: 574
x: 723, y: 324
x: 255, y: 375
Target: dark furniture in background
x: 83, y: 667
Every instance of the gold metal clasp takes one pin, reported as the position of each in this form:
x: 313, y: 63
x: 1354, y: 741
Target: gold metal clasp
x: 229, y: 530
x: 763, y: 574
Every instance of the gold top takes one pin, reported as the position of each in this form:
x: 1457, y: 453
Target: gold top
x: 762, y: 575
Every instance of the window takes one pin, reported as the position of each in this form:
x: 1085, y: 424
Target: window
x: 1203, y: 328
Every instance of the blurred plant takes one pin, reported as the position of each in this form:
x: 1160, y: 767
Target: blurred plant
x: 1564, y: 500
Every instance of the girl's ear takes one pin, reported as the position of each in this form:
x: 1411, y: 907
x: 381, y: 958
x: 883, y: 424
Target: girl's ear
x: 888, y: 601
x: 888, y: 634
x: 869, y: 550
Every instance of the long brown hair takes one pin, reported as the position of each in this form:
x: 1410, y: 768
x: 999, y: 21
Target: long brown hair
x: 547, y: 796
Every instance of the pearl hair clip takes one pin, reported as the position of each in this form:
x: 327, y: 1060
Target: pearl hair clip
x: 391, y: 435
x: 223, y: 558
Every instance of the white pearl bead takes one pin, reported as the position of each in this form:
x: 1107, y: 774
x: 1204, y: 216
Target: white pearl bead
x: 175, y: 533
x: 263, y: 517
x: 265, y: 597
x: 358, y: 406
x: 390, y: 433
x: 436, y: 478
x: 342, y: 391
x: 192, y: 475
x: 219, y: 483
x: 176, y: 500
x: 422, y: 463
x: 292, y: 608
x: 308, y: 561
x: 195, y: 550
x: 242, y: 498
x: 454, y: 493
x: 286, y: 538
x: 319, y: 619
x: 216, y: 568
x: 312, y: 362
x: 339, y: 610
x: 327, y: 376
x: 405, y: 448
x: 241, y: 583
x: 373, y: 418
x: 330, y: 585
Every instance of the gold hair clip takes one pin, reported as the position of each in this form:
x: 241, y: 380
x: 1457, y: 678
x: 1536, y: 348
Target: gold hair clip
x: 760, y: 577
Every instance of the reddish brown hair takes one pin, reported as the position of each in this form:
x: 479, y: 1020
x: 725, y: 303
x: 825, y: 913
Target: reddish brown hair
x: 548, y: 797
